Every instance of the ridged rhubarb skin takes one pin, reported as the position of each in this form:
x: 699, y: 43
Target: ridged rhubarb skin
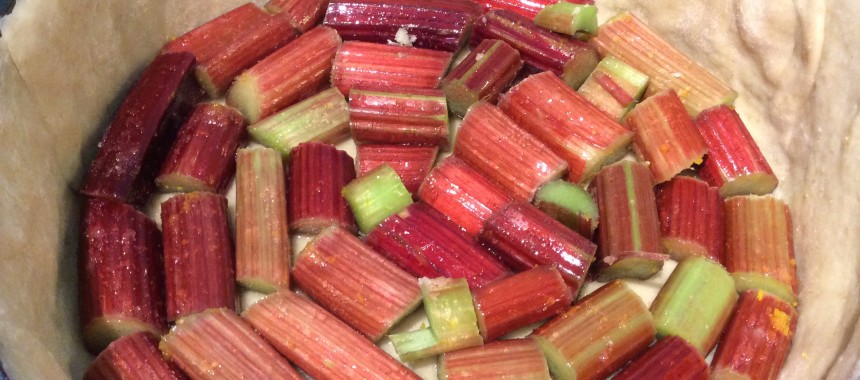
x: 569, y: 204
x: 231, y: 43
x: 614, y: 87
x: 218, y: 344
x: 629, y: 233
x: 734, y: 163
x: 198, y: 254
x: 541, y: 49
x: 568, y: 18
x: 507, y: 359
x: 438, y: 25
x: 304, y: 14
x: 527, y: 8
x: 450, y: 310
x: 598, y: 335
x: 665, y: 136
x: 132, y: 357
x: 630, y: 40
x: 398, y: 116
x: 695, y: 303
x: 671, y: 358
x: 139, y: 137
x: 489, y: 69
x: 318, y: 174
x: 355, y: 283
x: 203, y: 156
x: 760, y: 245
x: 318, y: 342
x: 757, y: 340
x: 387, y: 66
x: 425, y: 243
x: 376, y: 196
x: 262, y: 231
x: 285, y: 76
x: 121, y: 273
x: 462, y: 194
x: 568, y: 124
x: 411, y: 163
x: 692, y: 219
x: 509, y: 156
x: 525, y: 237
x: 520, y: 300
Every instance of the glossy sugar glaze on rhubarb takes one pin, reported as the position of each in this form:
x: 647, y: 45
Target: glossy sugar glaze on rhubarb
x: 317, y: 175
x: 398, y: 116
x: 377, y: 65
x: 671, y: 358
x: 692, y: 219
x: 411, y: 162
x: 527, y: 8
x: 515, y: 358
x: 489, y: 69
x: 134, y: 356
x: 304, y: 14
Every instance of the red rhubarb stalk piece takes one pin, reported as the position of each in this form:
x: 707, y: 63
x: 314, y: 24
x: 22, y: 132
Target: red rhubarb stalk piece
x: 355, y: 283
x: 520, y: 300
x: 203, y: 156
x: 513, y: 359
x: 670, y: 358
x: 318, y: 342
x: 691, y: 219
x: 387, y: 66
x: 132, y: 357
x: 567, y: 123
x: 734, y: 163
x: 525, y: 237
x: 139, y: 137
x: 218, y: 344
x: 198, y: 254
x: 614, y: 87
x: 541, y: 49
x: 318, y: 173
x: 398, y: 116
x: 527, y: 8
x: 285, y: 76
x: 121, y: 273
x: 489, y: 69
x: 262, y: 240
x: 304, y: 14
x: 509, y: 156
x: 462, y: 194
x: 439, y: 25
x: 412, y: 163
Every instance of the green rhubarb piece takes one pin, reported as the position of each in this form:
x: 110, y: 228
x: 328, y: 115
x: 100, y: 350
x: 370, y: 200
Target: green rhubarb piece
x: 695, y: 303
x: 570, y: 205
x: 375, y: 196
x: 451, y: 311
x: 625, y: 74
x: 414, y: 345
x: 752, y: 280
x: 568, y: 18
x: 614, y: 87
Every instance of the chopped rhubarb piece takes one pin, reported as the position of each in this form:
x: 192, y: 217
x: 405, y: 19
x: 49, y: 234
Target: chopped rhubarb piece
x: 629, y: 233
x: 398, y: 116
x: 541, y: 49
x: 462, y: 194
x: 734, y: 162
x: 760, y: 246
x: 567, y: 123
x: 569, y: 204
x: 229, y: 44
x: 438, y: 24
x: 568, y: 18
x: 527, y: 8
x: 525, y: 237
x: 304, y: 14
x: 286, y: 75
x: 757, y: 339
x: 426, y: 244
x: 488, y: 69
x: 323, y: 117
x: 630, y: 40
x: 614, y: 87
x: 375, y: 196
x: 198, y: 254
x: 121, y: 274
x: 132, y: 357
x: 665, y: 136
x: 318, y: 342
x: 262, y: 241
x: 203, y: 156
x: 218, y: 344
x: 512, y: 158
x: 508, y: 359
x: 671, y: 358
x: 411, y: 163
x: 139, y: 137
x: 387, y: 66
x: 691, y: 219
x: 318, y: 174
x: 520, y: 300
x: 415, y: 344
x: 598, y: 335
x: 355, y: 283
x: 695, y: 303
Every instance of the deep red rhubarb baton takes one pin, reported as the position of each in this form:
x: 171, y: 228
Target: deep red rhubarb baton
x: 527, y: 8
x: 132, y: 357
x: 198, y: 254
x: 398, y: 116
x: 515, y: 359
x: 691, y: 219
x: 304, y: 14
x: 377, y: 65
x: 670, y: 358
x: 489, y: 69
x: 411, y: 162
x: 614, y: 87
x: 121, y: 269
x: 318, y: 174
x: 569, y: 204
x: 137, y: 141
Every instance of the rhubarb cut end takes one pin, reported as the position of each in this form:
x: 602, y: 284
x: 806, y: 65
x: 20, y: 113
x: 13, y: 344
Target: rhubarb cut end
x: 751, y: 281
x: 100, y: 332
x: 613, y: 153
x: 245, y: 97
x: 577, y: 70
x: 207, y: 83
x: 179, y: 183
x: 727, y: 374
x: 558, y: 365
x: 639, y: 268
x: 757, y: 183
x: 568, y: 18
x: 460, y: 98
x: 570, y: 205
x: 258, y: 284
x: 414, y: 345
x: 679, y: 249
